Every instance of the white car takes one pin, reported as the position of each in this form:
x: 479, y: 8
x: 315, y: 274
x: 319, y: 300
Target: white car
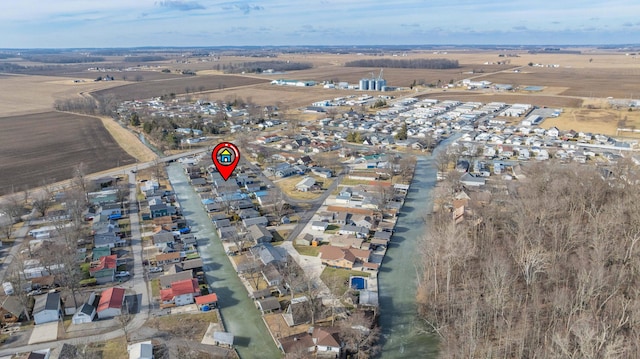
x: 156, y: 269
x: 122, y: 274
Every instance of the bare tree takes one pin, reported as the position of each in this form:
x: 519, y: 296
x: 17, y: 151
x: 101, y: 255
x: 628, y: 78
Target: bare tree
x: 360, y: 335
x: 42, y: 200
x: 19, y: 282
x: 124, y: 319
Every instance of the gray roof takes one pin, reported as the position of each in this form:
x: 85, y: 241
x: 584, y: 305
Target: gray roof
x: 269, y: 254
x: 163, y: 237
x: 87, y: 309
x: 49, y: 301
x: 11, y: 305
x: 354, y: 229
x: 269, y: 303
x: 248, y: 222
x: 382, y: 235
x: 259, y: 232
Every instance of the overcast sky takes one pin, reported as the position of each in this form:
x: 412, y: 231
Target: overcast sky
x: 127, y: 23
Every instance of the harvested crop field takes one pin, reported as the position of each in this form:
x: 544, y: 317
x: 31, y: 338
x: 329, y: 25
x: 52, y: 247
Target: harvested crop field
x: 604, y: 121
x: 149, y: 89
x: 47, y: 146
x: 21, y: 94
x: 583, y: 82
x: 538, y: 100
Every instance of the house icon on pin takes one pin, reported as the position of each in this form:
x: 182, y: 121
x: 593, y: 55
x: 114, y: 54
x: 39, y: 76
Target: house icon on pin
x: 225, y: 156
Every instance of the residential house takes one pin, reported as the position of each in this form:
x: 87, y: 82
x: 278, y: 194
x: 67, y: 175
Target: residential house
x: 319, y: 226
x: 306, y: 184
x: 104, y: 270
x: 111, y: 303
x: 11, y: 309
x: 269, y: 254
x: 348, y: 241
x: 180, y: 293
x: 297, y: 343
x: 167, y: 258
x: 39, y: 354
x: 167, y: 279
x: 193, y: 265
x: 222, y: 223
x: 248, y: 222
x: 358, y: 231
x: 108, y: 240
x: 271, y: 275
x: 141, y: 350
x: 161, y: 209
x: 47, y: 308
x: 85, y: 314
x: 248, y: 213
x: 108, y: 209
x: 260, y: 234
x: 100, y: 252
x: 326, y: 341
x: 344, y: 217
x: 207, y: 301
x: 337, y: 257
x: 223, y: 339
x: 268, y: 305
x: 305, y: 240
x: 472, y: 181
x: 163, y: 239
x: 322, y: 172
x: 227, y: 233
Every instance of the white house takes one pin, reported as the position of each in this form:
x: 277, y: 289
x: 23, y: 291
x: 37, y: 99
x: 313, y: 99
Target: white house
x: 305, y: 184
x: 141, y: 350
x: 85, y: 314
x: 325, y: 341
x: 47, y: 308
x: 111, y: 303
x: 319, y: 226
x: 181, y: 293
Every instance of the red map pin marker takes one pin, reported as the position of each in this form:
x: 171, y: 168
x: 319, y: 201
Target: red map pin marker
x: 225, y: 157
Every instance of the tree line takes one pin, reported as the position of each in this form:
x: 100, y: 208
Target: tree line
x: 63, y: 59
x: 548, y: 269
x: 261, y: 66
x: 436, y: 64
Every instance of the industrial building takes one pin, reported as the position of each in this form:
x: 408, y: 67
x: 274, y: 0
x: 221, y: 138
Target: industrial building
x: 373, y: 83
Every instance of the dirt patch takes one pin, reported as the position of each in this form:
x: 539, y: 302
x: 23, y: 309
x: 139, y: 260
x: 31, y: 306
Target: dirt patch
x: 47, y: 146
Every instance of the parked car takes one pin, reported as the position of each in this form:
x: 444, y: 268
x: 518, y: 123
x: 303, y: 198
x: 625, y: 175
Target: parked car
x: 156, y: 269
x: 123, y: 274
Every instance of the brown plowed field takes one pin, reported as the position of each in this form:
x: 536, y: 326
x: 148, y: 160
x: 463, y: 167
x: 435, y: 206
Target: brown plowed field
x: 583, y: 82
x: 144, y: 90
x: 47, y: 146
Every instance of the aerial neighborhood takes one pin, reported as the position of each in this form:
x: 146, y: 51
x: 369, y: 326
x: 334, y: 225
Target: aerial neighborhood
x: 170, y: 257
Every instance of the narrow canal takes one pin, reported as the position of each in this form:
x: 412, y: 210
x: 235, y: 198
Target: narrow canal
x: 403, y: 334
x: 240, y: 316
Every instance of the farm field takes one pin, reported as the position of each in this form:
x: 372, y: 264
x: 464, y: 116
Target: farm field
x: 585, y: 82
x: 604, y: 121
x: 22, y: 94
x: 47, y: 146
x: 143, y: 90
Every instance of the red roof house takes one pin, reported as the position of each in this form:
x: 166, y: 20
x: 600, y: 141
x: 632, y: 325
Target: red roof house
x: 181, y: 292
x: 111, y: 301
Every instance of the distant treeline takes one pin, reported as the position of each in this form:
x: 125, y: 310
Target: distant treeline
x: 10, y: 67
x: 438, y: 64
x: 147, y: 58
x: 553, y: 50
x: 261, y: 66
x: 62, y: 59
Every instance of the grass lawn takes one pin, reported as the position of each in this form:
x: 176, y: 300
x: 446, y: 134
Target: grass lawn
x: 307, y: 250
x: 185, y: 326
x: 115, y: 348
x: 341, y: 276
x: 155, y: 287
x: 353, y: 182
x: 288, y: 186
